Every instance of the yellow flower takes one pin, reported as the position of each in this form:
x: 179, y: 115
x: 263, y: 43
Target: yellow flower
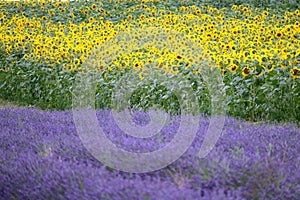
x: 278, y: 34
x: 295, y: 72
x: 142, y: 17
x: 233, y: 68
x: 234, y: 7
x: 141, y: 76
x: 137, y: 66
x: 265, y: 13
x: 235, y: 32
x: 91, y: 19
x: 130, y: 17
x: 94, y: 7
x: 246, y: 71
x: 257, y: 17
x: 245, y: 9
x: 270, y: 68
x: 57, y: 4
x: 5, y: 69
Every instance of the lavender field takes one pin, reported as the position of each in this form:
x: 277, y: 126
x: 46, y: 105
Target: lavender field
x: 42, y: 157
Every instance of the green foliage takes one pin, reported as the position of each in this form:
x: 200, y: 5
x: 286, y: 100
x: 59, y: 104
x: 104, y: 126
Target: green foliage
x: 31, y: 83
x: 273, y: 96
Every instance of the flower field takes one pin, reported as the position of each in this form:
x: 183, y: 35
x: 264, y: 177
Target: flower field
x: 206, y: 58
x: 42, y: 157
x: 255, y: 49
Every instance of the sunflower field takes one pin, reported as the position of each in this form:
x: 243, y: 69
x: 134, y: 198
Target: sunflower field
x: 255, y: 49
x: 143, y: 54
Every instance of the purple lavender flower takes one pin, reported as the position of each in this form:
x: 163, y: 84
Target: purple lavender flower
x: 42, y: 157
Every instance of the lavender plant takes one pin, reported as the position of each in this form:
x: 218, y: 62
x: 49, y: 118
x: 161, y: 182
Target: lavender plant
x: 42, y: 157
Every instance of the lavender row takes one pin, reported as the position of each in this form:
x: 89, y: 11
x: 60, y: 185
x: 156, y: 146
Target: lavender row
x: 42, y: 157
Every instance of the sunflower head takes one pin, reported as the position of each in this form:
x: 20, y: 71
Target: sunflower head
x: 295, y: 72
x: 4, y: 69
x: 91, y: 19
x: 94, y: 7
x: 233, y: 68
x: 278, y: 34
x: 246, y: 71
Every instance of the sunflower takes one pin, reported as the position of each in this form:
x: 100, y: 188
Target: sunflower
x: 57, y: 4
x: 295, y: 72
x: 5, y: 69
x: 130, y: 17
x: 224, y: 72
x: 246, y: 71
x: 142, y: 17
x: 233, y: 68
x: 179, y: 57
x: 38, y: 47
x: 137, y: 65
x: 257, y: 17
x: 283, y: 66
x: 278, y: 35
x: 265, y: 13
x: 259, y: 71
x: 94, y: 7
x: 270, y: 68
x: 234, y: 32
x: 245, y: 9
x: 153, y: 20
x: 91, y: 19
